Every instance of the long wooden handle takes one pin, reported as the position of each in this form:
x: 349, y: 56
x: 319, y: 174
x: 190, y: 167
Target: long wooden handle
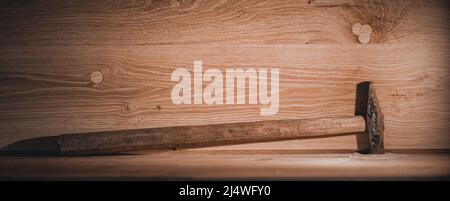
x: 206, y: 135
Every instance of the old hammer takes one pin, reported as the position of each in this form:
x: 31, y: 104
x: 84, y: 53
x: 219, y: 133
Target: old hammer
x: 368, y: 119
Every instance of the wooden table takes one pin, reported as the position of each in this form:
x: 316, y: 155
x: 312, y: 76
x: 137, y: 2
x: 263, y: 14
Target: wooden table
x: 230, y: 164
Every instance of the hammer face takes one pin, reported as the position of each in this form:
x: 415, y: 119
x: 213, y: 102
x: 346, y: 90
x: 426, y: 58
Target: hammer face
x: 374, y: 122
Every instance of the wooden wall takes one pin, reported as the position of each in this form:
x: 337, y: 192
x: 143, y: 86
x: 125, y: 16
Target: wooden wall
x: 48, y: 50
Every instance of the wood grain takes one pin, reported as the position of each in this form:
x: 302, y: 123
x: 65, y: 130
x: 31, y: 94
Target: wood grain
x: 231, y: 164
x: 147, y: 22
x: 48, y: 51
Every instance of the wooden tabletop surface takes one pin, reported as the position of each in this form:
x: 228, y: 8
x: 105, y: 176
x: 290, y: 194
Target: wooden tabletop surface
x: 230, y: 164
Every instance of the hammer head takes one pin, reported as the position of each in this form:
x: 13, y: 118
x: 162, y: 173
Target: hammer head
x: 368, y: 106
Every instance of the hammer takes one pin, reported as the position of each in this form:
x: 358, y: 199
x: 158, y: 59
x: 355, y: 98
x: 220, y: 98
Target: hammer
x: 368, y: 119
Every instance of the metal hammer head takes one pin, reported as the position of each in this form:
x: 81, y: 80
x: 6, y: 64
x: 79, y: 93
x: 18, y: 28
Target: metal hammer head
x: 368, y: 106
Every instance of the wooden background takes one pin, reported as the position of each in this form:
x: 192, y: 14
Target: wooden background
x: 48, y: 50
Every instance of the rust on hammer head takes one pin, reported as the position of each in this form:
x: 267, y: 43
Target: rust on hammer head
x: 368, y: 106
x: 374, y: 122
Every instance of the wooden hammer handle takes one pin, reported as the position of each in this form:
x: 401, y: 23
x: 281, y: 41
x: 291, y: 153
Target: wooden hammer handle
x: 206, y: 135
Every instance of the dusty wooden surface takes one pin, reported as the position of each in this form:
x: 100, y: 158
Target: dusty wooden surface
x: 230, y: 164
x: 51, y: 53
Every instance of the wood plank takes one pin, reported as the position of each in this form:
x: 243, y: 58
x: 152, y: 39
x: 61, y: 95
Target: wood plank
x: 48, y: 51
x: 109, y: 22
x: 49, y: 90
x: 231, y: 164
